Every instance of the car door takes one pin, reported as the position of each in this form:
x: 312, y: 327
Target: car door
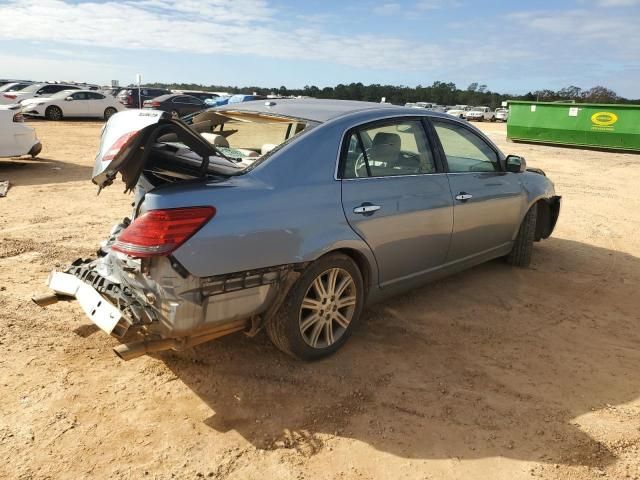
x: 487, y: 199
x: 396, y: 198
x: 96, y: 104
x: 77, y: 107
x: 192, y: 104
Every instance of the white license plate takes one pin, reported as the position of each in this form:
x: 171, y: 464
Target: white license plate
x: 98, y: 309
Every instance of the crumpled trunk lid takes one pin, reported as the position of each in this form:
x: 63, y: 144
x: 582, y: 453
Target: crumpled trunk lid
x: 120, y: 144
x: 129, y: 138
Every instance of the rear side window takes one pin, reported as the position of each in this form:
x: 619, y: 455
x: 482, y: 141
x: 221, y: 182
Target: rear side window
x: 465, y: 151
x: 392, y: 149
x: 95, y: 96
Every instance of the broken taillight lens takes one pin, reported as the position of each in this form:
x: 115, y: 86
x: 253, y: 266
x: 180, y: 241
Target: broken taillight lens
x: 120, y: 144
x: 160, y: 232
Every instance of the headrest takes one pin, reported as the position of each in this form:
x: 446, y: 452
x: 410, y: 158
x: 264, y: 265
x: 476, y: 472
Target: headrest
x: 384, y: 138
x: 217, y: 140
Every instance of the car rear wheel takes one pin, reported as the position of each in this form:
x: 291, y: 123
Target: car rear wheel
x: 109, y: 112
x: 320, y: 311
x: 175, y: 114
x: 520, y: 255
x: 53, y: 113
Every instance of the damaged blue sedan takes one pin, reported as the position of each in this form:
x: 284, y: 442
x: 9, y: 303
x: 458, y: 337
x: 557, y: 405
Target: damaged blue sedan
x: 291, y: 215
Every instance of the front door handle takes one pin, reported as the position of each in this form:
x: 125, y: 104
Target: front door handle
x: 463, y: 196
x: 366, y: 209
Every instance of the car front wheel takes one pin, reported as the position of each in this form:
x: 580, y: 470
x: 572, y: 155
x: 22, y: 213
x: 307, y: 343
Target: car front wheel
x: 522, y: 250
x: 320, y: 311
x: 53, y: 113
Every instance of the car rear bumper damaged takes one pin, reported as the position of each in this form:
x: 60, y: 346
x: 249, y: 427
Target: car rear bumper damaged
x: 161, y: 306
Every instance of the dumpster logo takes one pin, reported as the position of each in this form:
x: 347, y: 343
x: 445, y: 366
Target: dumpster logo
x: 604, y: 119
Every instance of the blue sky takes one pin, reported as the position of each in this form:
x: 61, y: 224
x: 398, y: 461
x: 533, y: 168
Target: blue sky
x: 512, y: 46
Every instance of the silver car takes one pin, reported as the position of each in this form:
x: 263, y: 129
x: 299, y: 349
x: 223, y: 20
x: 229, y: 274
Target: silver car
x: 291, y: 215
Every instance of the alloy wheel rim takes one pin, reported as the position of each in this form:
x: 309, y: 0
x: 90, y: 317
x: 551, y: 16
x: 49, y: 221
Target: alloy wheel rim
x: 327, y: 308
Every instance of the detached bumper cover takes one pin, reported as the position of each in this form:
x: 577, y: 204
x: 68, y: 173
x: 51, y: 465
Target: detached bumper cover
x: 98, y: 309
x: 110, y: 305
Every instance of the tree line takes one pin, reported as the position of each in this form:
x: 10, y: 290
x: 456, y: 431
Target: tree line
x: 441, y: 93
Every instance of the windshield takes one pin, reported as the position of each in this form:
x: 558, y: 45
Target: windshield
x: 11, y: 87
x: 33, y: 88
x: 477, y: 109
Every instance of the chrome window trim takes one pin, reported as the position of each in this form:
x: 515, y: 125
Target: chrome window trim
x: 393, y: 176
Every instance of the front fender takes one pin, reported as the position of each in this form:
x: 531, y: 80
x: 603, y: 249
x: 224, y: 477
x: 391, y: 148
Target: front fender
x: 540, y: 190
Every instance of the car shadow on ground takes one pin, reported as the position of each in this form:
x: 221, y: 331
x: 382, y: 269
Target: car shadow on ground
x: 23, y: 171
x: 495, y: 361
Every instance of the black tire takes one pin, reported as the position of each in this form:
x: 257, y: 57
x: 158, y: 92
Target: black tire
x: 520, y: 255
x: 285, y: 329
x: 109, y: 112
x: 53, y: 113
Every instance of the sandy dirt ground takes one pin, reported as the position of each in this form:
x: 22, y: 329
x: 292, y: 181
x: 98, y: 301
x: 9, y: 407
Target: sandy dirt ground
x: 495, y: 373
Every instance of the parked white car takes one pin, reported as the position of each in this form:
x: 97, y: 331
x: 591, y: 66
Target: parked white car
x: 16, y: 138
x: 502, y: 114
x: 73, y: 103
x: 35, y: 90
x: 459, y: 110
x: 480, y: 114
x: 14, y: 86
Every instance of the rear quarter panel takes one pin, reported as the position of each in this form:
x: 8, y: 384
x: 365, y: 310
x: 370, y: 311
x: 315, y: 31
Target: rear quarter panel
x: 287, y: 210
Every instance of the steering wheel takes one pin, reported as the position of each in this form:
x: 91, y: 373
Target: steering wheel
x: 360, y: 166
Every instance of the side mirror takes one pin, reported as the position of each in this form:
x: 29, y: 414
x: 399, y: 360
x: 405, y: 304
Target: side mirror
x: 515, y: 164
x: 69, y: 99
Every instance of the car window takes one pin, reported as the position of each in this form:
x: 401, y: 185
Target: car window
x: 465, y: 151
x: 95, y: 96
x: 179, y: 100
x: 192, y: 100
x: 398, y: 148
x: 48, y: 89
x: 80, y: 96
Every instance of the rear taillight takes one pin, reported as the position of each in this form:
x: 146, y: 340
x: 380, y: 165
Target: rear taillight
x: 129, y: 100
x: 154, y: 103
x: 18, y: 117
x: 160, y: 232
x: 123, y: 142
x: 9, y: 95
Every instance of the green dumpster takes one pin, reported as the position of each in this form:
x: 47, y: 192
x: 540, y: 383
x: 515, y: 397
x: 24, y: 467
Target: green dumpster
x: 589, y: 124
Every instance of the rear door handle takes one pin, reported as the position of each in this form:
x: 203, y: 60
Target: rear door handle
x: 366, y: 209
x: 463, y: 196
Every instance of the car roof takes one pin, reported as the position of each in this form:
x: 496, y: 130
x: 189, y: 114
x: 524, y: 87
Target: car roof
x: 317, y: 110
x: 167, y: 96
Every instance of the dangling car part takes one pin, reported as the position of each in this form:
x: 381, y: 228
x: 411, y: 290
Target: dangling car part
x: 291, y: 215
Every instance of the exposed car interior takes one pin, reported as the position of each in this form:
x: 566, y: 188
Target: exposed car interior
x: 245, y: 136
x: 389, y: 150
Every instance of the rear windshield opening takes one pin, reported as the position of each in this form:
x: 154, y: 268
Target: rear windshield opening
x: 246, y: 137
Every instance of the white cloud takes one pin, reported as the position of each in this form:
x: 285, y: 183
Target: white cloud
x: 575, y: 46
x: 436, y: 4
x: 618, y: 3
x: 244, y: 27
x: 387, y: 9
x: 616, y: 37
